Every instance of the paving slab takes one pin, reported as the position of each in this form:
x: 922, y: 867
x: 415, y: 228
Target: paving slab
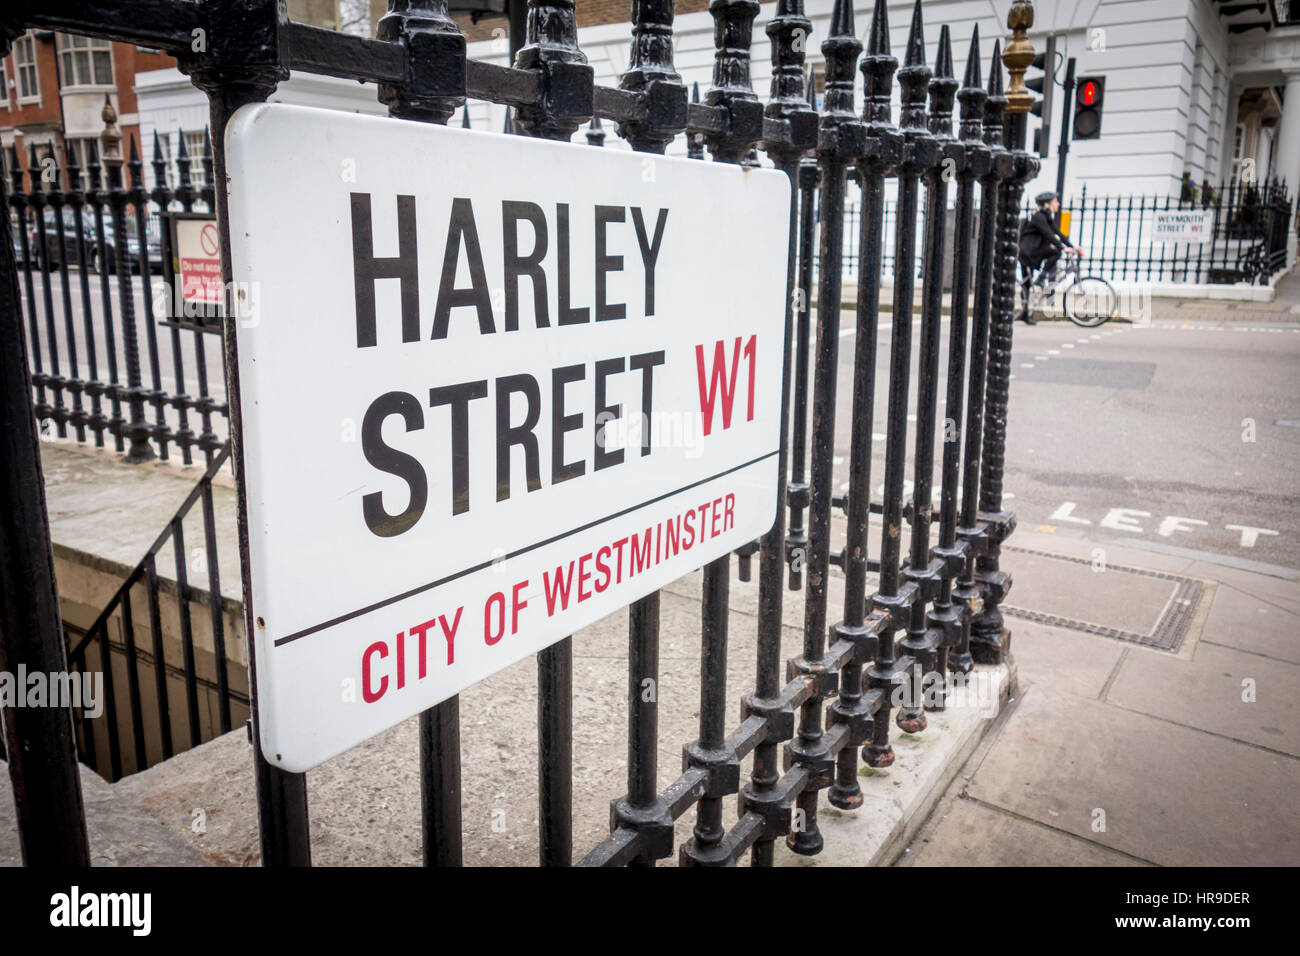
x: 974, y: 834
x: 1222, y: 691
x: 1106, y: 594
x: 1171, y: 795
x: 1078, y: 664
x: 1242, y: 620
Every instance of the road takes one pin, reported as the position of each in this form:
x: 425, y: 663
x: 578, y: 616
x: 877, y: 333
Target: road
x: 1176, y: 435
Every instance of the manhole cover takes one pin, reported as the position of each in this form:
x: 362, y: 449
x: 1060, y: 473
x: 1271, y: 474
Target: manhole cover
x: 1169, y: 602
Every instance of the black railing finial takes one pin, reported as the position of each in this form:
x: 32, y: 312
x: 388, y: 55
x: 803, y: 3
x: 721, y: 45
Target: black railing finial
x: 841, y: 49
x: 943, y: 88
x: 695, y: 141
x: 878, y: 68
x: 914, y: 76
x: 995, y: 106
x: 972, y: 94
x: 651, y: 74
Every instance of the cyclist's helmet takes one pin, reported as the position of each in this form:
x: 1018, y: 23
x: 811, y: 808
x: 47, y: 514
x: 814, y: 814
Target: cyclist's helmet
x: 1043, y: 199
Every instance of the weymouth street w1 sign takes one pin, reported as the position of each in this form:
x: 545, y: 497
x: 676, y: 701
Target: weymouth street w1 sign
x: 493, y: 389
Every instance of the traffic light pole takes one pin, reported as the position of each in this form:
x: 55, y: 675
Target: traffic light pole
x: 1064, y: 149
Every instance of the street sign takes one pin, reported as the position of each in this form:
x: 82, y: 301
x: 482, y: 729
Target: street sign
x: 493, y: 389
x: 1183, y: 225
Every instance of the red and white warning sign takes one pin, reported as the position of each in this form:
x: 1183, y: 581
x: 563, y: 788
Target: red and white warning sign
x: 198, y: 260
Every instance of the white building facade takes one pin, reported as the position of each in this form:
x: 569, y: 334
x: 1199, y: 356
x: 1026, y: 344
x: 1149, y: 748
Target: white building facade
x: 1189, y: 90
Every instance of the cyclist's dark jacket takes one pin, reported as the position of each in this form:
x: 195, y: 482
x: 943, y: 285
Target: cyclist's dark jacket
x: 1039, y: 237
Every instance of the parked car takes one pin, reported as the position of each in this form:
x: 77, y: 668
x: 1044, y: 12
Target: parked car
x: 55, y: 255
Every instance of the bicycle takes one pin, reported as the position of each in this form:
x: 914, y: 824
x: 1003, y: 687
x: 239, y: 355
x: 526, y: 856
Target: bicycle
x: 1087, y: 301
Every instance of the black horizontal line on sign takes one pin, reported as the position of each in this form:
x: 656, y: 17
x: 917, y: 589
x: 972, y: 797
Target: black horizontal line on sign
x: 307, y: 631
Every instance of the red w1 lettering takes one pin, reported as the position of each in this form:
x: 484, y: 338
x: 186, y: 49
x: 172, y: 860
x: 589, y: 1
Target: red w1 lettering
x: 717, y: 380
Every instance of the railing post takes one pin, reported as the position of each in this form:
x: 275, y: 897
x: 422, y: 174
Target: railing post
x: 242, y: 64
x: 39, y: 741
x: 732, y: 90
x: 841, y: 140
x: 950, y: 615
x: 568, y: 92
x: 895, y: 598
x: 652, y: 75
x: 990, y: 638
x: 883, y: 152
x: 434, y: 89
x: 137, y: 430
x: 927, y: 573
x: 788, y: 30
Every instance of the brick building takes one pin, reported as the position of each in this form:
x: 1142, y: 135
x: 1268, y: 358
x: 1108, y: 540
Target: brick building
x: 53, y: 92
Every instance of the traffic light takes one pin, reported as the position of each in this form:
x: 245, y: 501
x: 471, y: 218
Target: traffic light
x: 1088, y: 98
x: 1043, y: 83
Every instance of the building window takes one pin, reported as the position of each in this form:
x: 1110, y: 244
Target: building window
x: 78, y: 153
x: 29, y: 87
x: 194, y: 150
x: 85, y: 61
x: 4, y: 84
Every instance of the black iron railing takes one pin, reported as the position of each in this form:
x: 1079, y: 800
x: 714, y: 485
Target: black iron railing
x: 934, y: 611
x: 114, y: 356
x: 1245, y: 238
x: 113, y: 637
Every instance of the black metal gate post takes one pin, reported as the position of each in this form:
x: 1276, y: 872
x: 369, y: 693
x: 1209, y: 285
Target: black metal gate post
x: 240, y: 64
x: 883, y: 150
x: 841, y: 141
x: 946, y: 618
x: 788, y: 31
x: 896, y: 597
x: 971, y: 530
x: 796, y: 497
x: 137, y: 430
x: 921, y: 642
x: 733, y: 92
x: 652, y: 76
x: 433, y: 90
x: 567, y: 83
x: 989, y: 637
x: 39, y: 741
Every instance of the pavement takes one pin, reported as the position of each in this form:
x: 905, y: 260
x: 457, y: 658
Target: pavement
x: 1116, y: 754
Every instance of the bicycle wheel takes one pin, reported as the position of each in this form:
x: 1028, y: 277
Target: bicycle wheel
x: 1090, y: 301
x: 1028, y: 299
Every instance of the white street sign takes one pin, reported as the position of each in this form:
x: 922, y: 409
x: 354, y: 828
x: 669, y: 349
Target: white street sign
x: 1183, y: 226
x: 493, y: 388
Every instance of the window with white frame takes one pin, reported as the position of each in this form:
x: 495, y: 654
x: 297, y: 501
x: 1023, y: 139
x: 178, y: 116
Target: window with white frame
x: 4, y: 83
x: 85, y: 61
x: 194, y: 150
x: 28, y: 81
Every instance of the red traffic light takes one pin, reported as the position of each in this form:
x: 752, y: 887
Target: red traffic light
x: 1088, y: 93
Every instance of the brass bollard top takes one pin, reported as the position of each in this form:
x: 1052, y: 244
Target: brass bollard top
x: 1018, y: 55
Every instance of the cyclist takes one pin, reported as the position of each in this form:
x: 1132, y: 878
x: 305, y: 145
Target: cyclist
x: 1041, y: 244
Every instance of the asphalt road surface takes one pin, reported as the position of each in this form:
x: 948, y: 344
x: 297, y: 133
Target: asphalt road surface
x: 1177, y: 435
